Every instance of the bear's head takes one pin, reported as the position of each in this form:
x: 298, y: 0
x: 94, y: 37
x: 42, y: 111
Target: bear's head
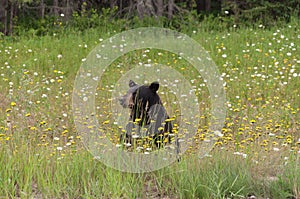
x: 140, y: 99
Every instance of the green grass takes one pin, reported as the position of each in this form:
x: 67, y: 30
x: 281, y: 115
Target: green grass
x: 42, y: 155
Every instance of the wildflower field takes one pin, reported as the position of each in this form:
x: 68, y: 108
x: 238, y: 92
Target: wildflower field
x: 42, y: 155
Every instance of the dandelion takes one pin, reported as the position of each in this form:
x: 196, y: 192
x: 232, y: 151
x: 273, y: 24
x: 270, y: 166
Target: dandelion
x: 106, y: 122
x: 33, y: 128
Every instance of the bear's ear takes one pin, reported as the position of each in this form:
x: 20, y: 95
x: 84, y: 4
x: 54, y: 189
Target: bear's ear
x: 132, y: 83
x: 154, y: 86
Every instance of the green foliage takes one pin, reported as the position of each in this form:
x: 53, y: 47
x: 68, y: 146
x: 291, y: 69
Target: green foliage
x: 286, y: 185
x: 220, y: 177
x: 268, y: 12
x: 82, y: 21
x: 93, y: 19
x: 47, y: 26
x: 234, y: 14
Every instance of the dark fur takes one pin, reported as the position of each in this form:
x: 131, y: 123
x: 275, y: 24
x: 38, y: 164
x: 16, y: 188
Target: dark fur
x: 146, y: 110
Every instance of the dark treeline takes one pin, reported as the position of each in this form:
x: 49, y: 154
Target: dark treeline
x: 24, y: 12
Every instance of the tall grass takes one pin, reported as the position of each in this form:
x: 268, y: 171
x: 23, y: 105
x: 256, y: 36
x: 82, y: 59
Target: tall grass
x: 42, y: 155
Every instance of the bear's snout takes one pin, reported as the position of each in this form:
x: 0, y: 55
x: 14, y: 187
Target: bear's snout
x: 126, y: 101
x: 122, y: 101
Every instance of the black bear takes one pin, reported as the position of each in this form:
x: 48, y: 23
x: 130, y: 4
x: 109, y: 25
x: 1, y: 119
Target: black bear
x: 148, y: 117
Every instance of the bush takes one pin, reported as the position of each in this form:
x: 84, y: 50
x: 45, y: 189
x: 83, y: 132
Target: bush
x: 268, y: 12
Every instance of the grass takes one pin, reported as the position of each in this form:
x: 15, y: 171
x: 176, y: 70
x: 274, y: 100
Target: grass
x: 42, y: 154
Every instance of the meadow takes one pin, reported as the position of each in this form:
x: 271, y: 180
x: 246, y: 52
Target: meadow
x: 42, y: 154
